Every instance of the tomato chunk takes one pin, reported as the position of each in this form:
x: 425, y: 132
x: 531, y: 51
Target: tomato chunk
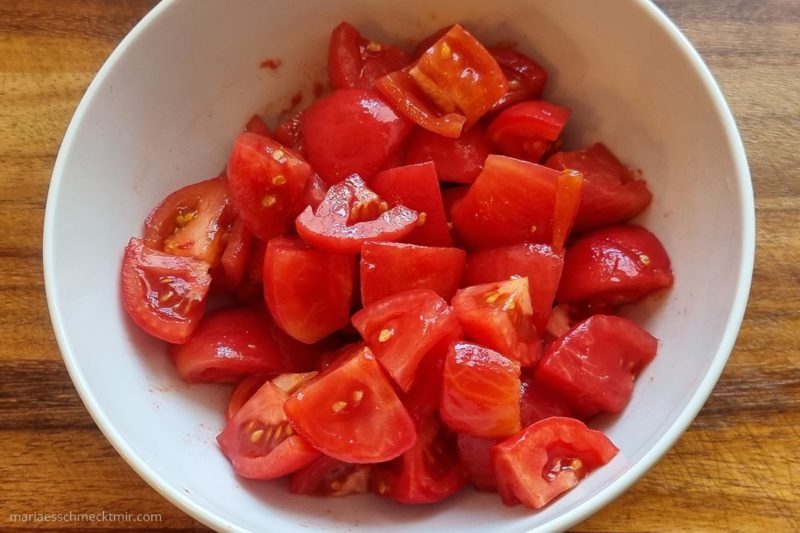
x: 257, y: 125
x: 402, y: 328
x: 538, y: 402
x: 475, y: 455
x: 593, y: 366
x: 480, y: 392
x: 457, y: 160
x: 265, y: 179
x: 308, y: 291
x: 237, y: 253
x: 416, y: 187
x: 547, y: 459
x: 290, y: 133
x: 526, y: 130
x: 355, y: 62
x: 352, y: 413
x: 351, y: 131
x: 243, y: 391
x: 612, y: 192
x: 192, y: 221
x: 614, y: 265
x: 526, y: 78
x: 568, y: 197
x: 498, y: 316
x: 330, y: 477
x: 422, y: 398
x: 427, y: 473
x: 351, y: 214
x: 259, y: 441
x: 537, y: 262
x: 391, y: 268
x: 164, y: 295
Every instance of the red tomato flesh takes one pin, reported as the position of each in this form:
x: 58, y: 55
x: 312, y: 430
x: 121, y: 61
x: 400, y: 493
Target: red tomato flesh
x: 475, y: 455
x: 290, y: 133
x: 526, y: 78
x: 568, y: 197
x: 352, y: 413
x: 237, y: 253
x: 330, y: 477
x: 257, y: 125
x: 389, y: 268
x: 243, y: 391
x: 538, y: 402
x: 355, y: 62
x: 526, y: 130
x: 457, y: 160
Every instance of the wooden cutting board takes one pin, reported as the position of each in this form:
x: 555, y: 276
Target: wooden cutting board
x: 736, y: 469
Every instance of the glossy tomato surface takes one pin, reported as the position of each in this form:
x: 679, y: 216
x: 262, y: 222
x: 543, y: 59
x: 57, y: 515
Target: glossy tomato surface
x: 457, y: 160
x: 526, y: 78
x: 527, y: 129
x: 355, y: 62
x: 237, y: 253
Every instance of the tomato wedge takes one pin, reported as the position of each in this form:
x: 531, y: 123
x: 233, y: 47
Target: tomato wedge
x: 164, y: 294
x: 330, y: 477
x: 351, y: 131
x: 355, y: 62
x: 422, y: 398
x: 480, y: 392
x: 265, y: 179
x: 308, y: 291
x: 526, y: 78
x: 475, y: 455
x: 538, y: 402
x: 498, y: 316
x: 192, y: 221
x: 389, y: 268
x: 527, y: 130
x: 257, y: 125
x: 416, y: 187
x: 259, y: 441
x: 352, y: 413
x: 593, y: 366
x: 243, y: 391
x: 351, y: 214
x: 457, y: 160
x: 429, y: 472
x: 568, y: 197
x: 511, y: 201
x: 402, y: 328
x: 547, y: 459
x: 290, y: 133
x: 614, y: 265
x: 237, y: 253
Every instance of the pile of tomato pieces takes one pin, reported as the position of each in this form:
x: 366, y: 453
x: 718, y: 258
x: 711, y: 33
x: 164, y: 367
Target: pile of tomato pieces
x: 414, y: 286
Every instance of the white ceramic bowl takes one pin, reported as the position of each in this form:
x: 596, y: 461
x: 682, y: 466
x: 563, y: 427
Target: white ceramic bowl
x: 162, y: 112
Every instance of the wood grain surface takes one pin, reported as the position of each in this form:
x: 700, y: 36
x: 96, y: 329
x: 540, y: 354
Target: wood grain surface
x: 735, y: 469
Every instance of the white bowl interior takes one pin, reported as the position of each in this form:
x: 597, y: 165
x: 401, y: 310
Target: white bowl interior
x: 163, y: 113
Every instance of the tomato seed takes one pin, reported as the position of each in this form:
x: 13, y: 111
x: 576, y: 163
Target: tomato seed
x: 269, y: 200
x: 280, y: 179
x: 338, y: 406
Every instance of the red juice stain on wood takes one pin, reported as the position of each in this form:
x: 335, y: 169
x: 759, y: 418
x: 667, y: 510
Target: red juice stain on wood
x: 271, y: 63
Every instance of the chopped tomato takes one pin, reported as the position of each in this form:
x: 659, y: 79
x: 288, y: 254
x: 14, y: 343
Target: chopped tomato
x: 480, y: 392
x: 352, y: 413
x: 290, y: 133
x: 308, y: 291
x: 511, y: 201
x: 260, y: 442
x: 450, y: 196
x: 612, y: 192
x: 351, y: 131
x: 355, y: 62
x: 538, y: 402
x: 251, y: 289
x: 227, y: 345
x: 402, y: 328
x: 429, y: 472
x: 243, y: 391
x: 593, y: 366
x: 192, y: 221
x: 526, y: 78
x: 475, y: 455
x: 164, y: 294
x: 266, y: 180
x: 313, y: 194
x: 237, y: 253
x: 257, y: 125
x: 537, y: 262
x: 416, y: 187
x: 548, y: 458
x: 459, y: 75
x: 422, y: 398
x: 429, y: 41
x: 351, y: 214
x: 498, y: 316
x: 614, y: 265
x: 330, y: 477
x: 568, y: 197
x: 389, y: 268
x: 526, y: 130
x: 457, y: 160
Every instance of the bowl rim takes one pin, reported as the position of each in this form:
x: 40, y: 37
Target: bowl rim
x: 582, y: 511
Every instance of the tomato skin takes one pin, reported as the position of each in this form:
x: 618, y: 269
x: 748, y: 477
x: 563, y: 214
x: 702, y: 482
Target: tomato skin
x: 391, y: 268
x: 351, y: 131
x: 423, y: 397
x: 612, y: 193
x: 290, y: 133
x: 257, y: 125
x: 355, y: 63
x: 227, y: 345
x: 243, y: 391
x: 237, y: 253
x: 164, y: 294
x: 475, y: 455
x: 330, y: 477
x: 265, y: 180
x: 308, y: 291
x: 511, y: 201
x: 457, y: 160
x: 526, y: 78
x: 352, y: 214
x: 593, y: 366
x: 480, y: 392
x: 402, y: 328
x: 427, y: 473
x: 527, y: 129
x: 259, y: 441
x: 614, y: 265
x: 498, y: 316
x: 547, y: 459
x: 416, y: 187
x: 568, y: 197
x: 537, y: 402
x: 251, y: 288
x: 538, y: 262
x: 352, y: 413
x: 207, y: 207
